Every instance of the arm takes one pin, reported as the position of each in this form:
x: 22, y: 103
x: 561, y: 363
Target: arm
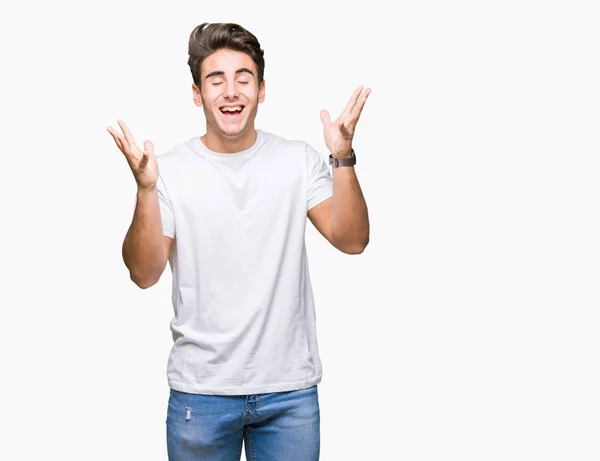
x: 145, y: 249
x: 343, y: 219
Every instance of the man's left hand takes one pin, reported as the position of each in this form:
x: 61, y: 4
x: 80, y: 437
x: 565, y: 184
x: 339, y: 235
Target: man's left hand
x: 339, y: 134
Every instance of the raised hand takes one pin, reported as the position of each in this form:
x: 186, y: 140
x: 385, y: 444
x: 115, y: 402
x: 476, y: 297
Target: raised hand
x: 339, y: 134
x: 142, y: 164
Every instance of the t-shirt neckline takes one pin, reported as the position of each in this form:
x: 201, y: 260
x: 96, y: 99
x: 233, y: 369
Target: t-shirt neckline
x: 242, y: 153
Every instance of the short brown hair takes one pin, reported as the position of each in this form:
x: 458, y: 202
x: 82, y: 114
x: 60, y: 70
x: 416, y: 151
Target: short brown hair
x: 207, y: 38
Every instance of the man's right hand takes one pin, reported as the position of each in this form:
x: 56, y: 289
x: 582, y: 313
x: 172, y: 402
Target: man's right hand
x: 142, y: 164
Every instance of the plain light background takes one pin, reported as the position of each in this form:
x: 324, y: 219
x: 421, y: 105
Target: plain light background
x: 467, y: 330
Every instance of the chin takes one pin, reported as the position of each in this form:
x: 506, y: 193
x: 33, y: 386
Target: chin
x: 232, y: 132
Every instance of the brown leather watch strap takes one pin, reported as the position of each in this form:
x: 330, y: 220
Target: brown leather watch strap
x: 337, y: 162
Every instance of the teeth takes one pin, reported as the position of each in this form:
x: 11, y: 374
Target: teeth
x: 231, y: 109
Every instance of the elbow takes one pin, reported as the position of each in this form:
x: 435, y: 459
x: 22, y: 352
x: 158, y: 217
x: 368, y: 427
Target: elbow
x: 352, y: 243
x: 144, y: 275
x: 354, y: 249
x: 143, y: 282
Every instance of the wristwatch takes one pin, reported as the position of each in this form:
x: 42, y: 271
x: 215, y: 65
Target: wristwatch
x: 337, y: 162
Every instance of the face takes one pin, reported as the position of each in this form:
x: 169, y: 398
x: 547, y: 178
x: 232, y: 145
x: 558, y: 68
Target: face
x: 229, y: 92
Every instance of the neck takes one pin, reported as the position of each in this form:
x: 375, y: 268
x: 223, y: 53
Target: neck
x: 222, y: 144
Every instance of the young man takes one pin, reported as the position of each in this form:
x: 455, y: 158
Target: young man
x: 228, y: 211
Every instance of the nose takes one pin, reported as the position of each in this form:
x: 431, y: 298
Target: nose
x: 231, y: 91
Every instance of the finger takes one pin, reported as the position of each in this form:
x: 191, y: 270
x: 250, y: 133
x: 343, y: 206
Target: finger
x: 116, y: 137
x: 120, y: 145
x: 127, y: 133
x: 355, y: 115
x: 113, y: 133
x: 353, y: 100
x: 325, y: 118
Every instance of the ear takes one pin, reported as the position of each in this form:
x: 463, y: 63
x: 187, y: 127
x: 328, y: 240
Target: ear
x: 197, y: 96
x: 261, y: 91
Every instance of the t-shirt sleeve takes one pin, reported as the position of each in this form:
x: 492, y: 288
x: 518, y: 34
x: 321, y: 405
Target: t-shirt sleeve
x: 166, y: 209
x: 320, y: 182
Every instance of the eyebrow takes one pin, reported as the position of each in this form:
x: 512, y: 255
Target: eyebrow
x: 239, y: 71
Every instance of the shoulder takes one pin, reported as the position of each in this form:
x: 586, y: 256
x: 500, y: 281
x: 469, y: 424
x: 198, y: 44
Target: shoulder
x: 176, y: 156
x: 290, y: 146
x: 278, y: 141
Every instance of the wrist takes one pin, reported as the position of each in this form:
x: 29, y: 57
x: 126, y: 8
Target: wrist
x: 347, y: 154
x: 343, y: 161
x: 146, y: 190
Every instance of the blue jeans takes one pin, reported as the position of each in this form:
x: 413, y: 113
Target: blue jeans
x: 277, y: 426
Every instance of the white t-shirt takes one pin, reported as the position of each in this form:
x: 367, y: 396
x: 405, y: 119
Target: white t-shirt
x: 245, y: 318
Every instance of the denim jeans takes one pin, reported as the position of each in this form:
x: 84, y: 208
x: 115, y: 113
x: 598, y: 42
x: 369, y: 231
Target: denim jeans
x: 277, y: 426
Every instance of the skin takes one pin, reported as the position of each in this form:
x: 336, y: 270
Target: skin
x: 230, y: 78
x: 343, y: 219
x: 145, y: 250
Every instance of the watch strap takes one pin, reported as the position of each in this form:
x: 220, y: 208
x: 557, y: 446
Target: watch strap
x: 337, y: 162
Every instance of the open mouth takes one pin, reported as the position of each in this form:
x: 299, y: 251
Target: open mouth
x: 232, y: 111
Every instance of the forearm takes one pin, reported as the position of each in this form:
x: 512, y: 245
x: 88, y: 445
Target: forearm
x: 349, y: 216
x: 143, y: 247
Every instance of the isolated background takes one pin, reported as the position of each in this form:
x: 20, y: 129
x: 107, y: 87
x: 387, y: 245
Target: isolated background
x: 468, y: 329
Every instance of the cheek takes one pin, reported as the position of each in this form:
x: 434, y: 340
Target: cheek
x: 250, y: 91
x: 210, y: 94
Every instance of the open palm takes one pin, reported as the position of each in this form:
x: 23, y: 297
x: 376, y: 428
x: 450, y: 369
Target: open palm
x: 339, y: 134
x: 143, y: 164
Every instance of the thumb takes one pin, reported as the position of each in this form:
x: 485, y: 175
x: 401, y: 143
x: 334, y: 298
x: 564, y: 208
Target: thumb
x: 144, y: 161
x: 149, y: 147
x: 325, y: 117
